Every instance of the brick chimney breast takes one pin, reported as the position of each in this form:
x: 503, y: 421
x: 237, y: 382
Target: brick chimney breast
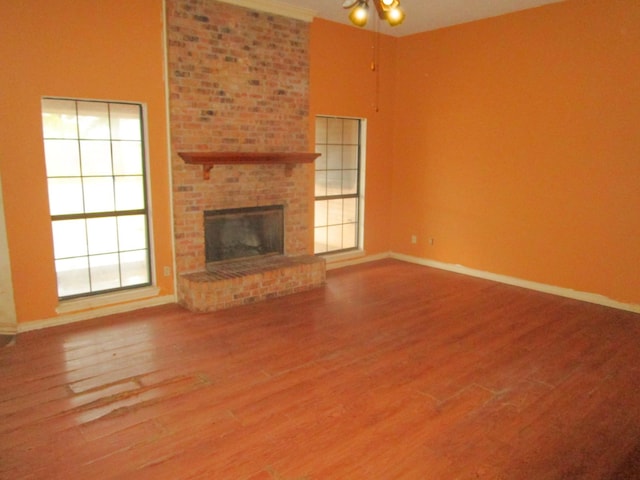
x: 239, y: 82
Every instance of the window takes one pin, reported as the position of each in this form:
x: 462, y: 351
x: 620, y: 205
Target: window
x: 94, y: 155
x: 338, y: 199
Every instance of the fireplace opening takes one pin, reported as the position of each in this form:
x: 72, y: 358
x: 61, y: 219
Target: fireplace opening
x: 241, y: 233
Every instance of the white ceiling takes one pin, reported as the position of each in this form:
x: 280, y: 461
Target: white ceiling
x: 422, y: 15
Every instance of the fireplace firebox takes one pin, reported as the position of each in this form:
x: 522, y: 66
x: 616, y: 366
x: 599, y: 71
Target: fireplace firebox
x: 241, y: 233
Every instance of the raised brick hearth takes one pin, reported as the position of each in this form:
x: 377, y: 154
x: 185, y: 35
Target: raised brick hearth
x: 240, y: 282
x: 239, y: 83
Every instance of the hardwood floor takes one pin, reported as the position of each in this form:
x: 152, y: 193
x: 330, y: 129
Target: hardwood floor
x: 393, y: 371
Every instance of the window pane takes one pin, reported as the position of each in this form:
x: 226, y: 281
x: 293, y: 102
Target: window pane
x: 129, y: 193
x: 349, y: 182
x: 350, y: 157
x: 96, y: 157
x: 62, y: 158
x: 334, y: 208
x: 321, y: 213
x: 93, y: 120
x: 334, y: 237
x: 127, y: 158
x: 105, y: 271
x: 125, y: 121
x: 73, y: 276
x: 132, y: 232
x: 334, y: 182
x: 334, y: 157
x: 98, y: 194
x: 321, y: 184
x: 59, y: 118
x: 349, y: 239
x: 334, y: 131
x: 350, y: 210
x: 321, y: 161
x: 102, y: 235
x: 65, y: 196
x: 350, y: 131
x: 69, y: 238
x: 134, y: 267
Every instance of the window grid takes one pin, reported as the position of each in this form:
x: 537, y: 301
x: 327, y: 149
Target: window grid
x: 337, y: 195
x: 97, y: 195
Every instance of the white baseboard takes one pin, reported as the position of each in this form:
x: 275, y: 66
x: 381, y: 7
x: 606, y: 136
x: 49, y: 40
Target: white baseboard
x: 339, y: 263
x: 8, y: 330
x: 95, y: 313
x: 348, y: 259
x: 539, y: 287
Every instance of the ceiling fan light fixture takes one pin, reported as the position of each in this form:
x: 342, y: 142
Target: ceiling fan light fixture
x: 388, y: 4
x: 395, y: 16
x: 388, y: 10
x: 360, y: 14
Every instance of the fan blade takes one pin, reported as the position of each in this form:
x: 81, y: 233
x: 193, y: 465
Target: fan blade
x: 349, y: 3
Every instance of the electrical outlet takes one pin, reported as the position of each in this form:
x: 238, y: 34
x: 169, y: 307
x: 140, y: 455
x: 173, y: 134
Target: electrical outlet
x: 414, y: 239
x: 431, y: 241
x: 167, y: 271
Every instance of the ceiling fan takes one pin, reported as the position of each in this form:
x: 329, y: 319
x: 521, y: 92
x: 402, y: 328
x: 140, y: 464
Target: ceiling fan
x: 388, y: 10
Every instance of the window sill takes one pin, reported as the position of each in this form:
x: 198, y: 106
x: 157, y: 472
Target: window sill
x: 95, y: 301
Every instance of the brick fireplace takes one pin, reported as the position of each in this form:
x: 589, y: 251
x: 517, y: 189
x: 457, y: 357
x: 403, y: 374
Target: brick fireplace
x: 238, y: 83
x: 242, y: 233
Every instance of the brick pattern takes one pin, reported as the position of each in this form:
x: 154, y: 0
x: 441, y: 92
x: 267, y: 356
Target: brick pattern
x: 241, y: 284
x: 239, y: 78
x: 236, y: 186
x: 238, y: 82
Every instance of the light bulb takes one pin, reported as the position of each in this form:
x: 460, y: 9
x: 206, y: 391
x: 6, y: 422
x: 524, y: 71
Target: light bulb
x: 395, y: 16
x: 359, y: 14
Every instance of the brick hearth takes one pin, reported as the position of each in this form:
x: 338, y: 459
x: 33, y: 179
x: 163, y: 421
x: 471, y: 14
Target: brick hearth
x: 241, y: 282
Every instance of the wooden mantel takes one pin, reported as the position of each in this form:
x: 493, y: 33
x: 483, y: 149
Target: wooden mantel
x: 209, y: 159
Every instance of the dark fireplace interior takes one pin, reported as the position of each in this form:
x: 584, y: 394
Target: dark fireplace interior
x: 240, y: 233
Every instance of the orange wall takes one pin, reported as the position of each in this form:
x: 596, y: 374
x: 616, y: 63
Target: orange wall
x: 511, y: 141
x: 343, y: 84
x: 87, y: 49
x: 518, y: 149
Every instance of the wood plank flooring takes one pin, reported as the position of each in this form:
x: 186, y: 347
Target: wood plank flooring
x: 393, y: 371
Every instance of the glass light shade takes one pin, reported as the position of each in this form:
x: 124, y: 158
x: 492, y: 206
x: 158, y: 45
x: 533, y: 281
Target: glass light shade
x: 359, y: 15
x: 395, y: 16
